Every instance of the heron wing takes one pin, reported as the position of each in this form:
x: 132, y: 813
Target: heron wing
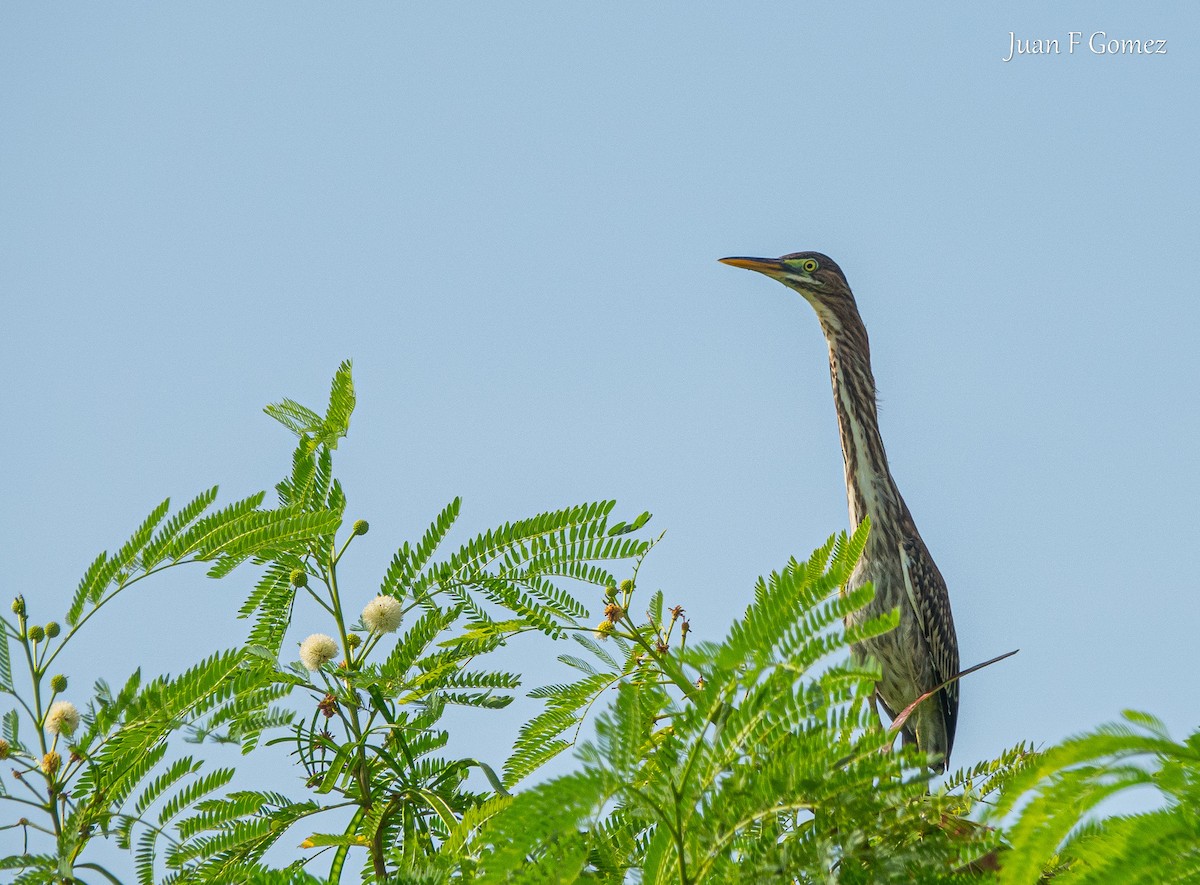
x: 930, y: 601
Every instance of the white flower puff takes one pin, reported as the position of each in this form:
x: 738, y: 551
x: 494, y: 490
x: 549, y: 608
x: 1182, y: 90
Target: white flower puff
x: 62, y: 718
x: 318, y: 649
x: 383, y: 614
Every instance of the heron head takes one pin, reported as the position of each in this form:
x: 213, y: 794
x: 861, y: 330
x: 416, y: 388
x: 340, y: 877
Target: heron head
x: 815, y: 276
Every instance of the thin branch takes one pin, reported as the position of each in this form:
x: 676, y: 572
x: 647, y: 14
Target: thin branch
x: 898, y: 722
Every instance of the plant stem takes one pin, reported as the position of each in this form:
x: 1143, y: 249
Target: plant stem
x: 103, y: 872
x: 677, y: 833
x: 666, y: 663
x: 35, y: 676
x: 361, y: 767
x: 100, y: 604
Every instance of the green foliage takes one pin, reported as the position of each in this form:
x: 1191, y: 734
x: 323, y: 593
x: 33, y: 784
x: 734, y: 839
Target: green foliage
x: 318, y: 432
x: 1066, y: 784
x: 369, y: 733
x: 6, y: 682
x: 752, y: 758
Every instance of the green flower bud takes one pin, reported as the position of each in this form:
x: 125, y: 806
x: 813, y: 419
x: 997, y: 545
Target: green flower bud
x: 361, y: 527
x: 36, y: 633
x: 354, y: 640
x: 610, y: 593
x: 298, y: 577
x: 58, y: 683
x: 18, y: 606
x: 627, y: 586
x: 52, y: 629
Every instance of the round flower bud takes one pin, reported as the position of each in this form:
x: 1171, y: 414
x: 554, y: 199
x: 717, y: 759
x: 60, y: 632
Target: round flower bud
x: 18, y: 606
x: 354, y: 640
x: 603, y: 629
x: 383, y: 614
x: 610, y: 592
x: 52, y: 629
x: 361, y: 527
x: 58, y: 683
x: 298, y: 577
x: 627, y: 586
x: 36, y: 633
x: 5, y: 748
x: 50, y: 763
x: 62, y: 718
x: 318, y: 649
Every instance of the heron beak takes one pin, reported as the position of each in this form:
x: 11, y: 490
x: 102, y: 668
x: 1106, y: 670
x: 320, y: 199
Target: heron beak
x: 772, y: 267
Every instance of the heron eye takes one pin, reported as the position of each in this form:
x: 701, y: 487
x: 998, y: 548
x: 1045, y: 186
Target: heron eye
x: 809, y: 265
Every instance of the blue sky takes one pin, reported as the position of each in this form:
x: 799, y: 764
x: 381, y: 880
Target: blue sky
x: 509, y: 216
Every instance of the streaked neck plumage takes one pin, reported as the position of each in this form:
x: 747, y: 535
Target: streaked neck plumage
x: 870, y: 489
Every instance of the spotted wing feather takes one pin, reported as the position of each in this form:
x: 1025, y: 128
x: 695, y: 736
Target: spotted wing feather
x: 932, y: 604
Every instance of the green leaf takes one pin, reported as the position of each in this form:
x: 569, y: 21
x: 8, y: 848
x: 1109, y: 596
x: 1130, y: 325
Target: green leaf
x: 341, y: 406
x: 314, y: 431
x: 624, y: 528
x: 299, y: 419
x: 154, y: 551
x: 199, y: 535
x: 408, y: 563
x: 6, y: 683
x: 267, y: 529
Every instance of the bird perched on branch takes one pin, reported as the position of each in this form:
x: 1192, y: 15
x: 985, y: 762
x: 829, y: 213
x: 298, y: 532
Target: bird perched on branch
x: 922, y: 652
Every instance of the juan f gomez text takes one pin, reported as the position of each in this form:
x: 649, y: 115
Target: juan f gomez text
x: 1097, y: 43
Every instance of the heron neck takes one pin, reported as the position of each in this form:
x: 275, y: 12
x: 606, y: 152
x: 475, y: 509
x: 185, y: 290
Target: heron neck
x: 870, y: 489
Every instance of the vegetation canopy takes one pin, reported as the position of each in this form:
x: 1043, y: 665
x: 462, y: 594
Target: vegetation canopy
x: 752, y: 757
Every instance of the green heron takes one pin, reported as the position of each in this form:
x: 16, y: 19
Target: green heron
x: 922, y: 652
